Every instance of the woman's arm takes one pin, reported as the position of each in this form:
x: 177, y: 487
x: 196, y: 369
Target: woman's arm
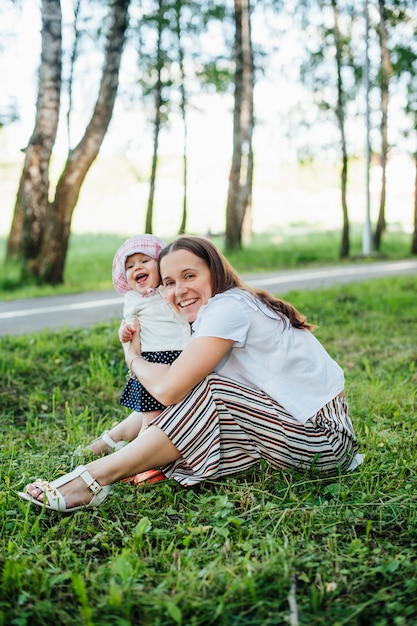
x: 171, y: 383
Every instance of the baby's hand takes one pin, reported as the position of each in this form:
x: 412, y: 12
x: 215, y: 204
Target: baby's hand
x: 128, y: 329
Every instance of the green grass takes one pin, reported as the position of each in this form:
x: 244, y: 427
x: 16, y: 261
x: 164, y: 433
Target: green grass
x: 89, y: 260
x: 229, y: 552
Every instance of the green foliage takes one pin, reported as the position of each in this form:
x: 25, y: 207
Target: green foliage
x: 232, y: 551
x: 214, y: 75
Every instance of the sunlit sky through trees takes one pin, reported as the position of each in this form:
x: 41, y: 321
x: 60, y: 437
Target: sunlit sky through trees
x: 287, y: 128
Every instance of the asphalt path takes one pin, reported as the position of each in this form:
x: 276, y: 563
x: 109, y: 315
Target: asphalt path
x: 85, y: 309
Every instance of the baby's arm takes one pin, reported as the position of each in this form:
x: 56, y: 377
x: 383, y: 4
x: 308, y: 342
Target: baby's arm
x: 128, y: 328
x: 128, y: 325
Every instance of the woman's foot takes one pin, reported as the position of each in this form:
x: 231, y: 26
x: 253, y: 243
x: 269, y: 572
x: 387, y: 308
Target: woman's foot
x: 146, y: 478
x: 69, y: 493
x: 73, y: 491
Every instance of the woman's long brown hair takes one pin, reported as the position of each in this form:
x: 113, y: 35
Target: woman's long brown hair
x: 224, y: 277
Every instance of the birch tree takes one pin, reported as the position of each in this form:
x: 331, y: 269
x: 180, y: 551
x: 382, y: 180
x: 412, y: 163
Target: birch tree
x: 241, y: 173
x: 31, y: 205
x: 385, y: 75
x: 41, y: 227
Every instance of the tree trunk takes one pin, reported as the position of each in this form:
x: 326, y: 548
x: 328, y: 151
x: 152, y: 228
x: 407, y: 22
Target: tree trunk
x: 345, y: 242
x: 386, y: 71
x: 55, y: 243
x: 183, y: 224
x: 73, y: 58
x: 154, y: 163
x: 183, y: 106
x: 340, y: 113
x: 31, y: 205
x: 241, y: 173
x: 414, y: 239
x: 157, y: 122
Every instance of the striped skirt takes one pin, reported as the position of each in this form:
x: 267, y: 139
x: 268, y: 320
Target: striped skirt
x: 223, y: 427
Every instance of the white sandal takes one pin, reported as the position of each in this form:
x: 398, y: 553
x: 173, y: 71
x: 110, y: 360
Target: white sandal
x: 113, y: 445
x: 53, y: 500
x: 82, y: 451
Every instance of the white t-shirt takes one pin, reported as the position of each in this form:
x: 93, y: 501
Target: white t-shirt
x: 288, y: 364
x: 161, y: 326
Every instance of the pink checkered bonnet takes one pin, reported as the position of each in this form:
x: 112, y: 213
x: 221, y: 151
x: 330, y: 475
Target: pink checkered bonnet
x: 145, y: 244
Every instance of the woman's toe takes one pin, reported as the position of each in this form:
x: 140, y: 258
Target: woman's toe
x: 35, y: 492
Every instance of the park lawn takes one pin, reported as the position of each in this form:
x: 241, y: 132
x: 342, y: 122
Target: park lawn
x: 261, y: 548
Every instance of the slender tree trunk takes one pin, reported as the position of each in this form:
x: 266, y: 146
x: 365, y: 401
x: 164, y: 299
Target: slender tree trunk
x: 414, y: 239
x: 340, y: 113
x: 154, y: 165
x: 55, y: 243
x: 241, y: 173
x: 31, y: 205
x: 345, y: 242
x: 156, y: 124
x: 386, y: 71
x: 73, y: 58
x: 183, y: 106
x: 183, y: 224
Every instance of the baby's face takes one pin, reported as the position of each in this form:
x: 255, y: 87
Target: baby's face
x: 142, y: 273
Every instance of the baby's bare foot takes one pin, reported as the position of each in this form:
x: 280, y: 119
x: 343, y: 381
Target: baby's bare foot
x: 105, y: 444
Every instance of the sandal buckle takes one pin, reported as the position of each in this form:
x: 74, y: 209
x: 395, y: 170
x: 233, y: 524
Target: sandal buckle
x: 91, y: 482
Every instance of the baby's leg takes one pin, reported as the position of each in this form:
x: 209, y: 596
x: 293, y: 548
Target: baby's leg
x: 147, y: 419
x: 126, y: 430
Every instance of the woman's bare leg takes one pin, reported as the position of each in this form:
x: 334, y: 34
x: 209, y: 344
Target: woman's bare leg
x: 152, y: 448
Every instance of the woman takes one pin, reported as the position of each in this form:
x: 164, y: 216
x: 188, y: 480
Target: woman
x: 253, y: 383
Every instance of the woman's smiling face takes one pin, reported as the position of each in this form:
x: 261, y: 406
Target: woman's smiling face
x: 187, y: 282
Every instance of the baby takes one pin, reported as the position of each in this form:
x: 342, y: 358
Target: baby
x: 163, y: 332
